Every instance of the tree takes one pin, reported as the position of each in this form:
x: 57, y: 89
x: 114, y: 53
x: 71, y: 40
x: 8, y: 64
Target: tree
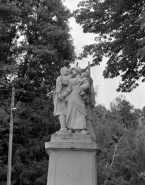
x: 8, y: 33
x: 122, y: 143
x: 141, y: 50
x: 40, y: 45
x: 117, y: 37
x: 124, y: 112
x: 108, y: 131
x: 46, y: 44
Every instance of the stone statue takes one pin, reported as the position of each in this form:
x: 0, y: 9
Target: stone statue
x: 73, y: 101
x: 76, y: 111
x: 60, y: 104
x: 72, y: 150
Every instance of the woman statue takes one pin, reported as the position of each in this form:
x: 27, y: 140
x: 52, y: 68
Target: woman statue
x: 76, y: 112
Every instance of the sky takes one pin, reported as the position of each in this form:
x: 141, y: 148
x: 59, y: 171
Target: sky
x: 107, y: 87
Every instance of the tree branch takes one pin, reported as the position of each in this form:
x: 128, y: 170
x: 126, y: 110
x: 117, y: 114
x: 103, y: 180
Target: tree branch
x: 114, y: 155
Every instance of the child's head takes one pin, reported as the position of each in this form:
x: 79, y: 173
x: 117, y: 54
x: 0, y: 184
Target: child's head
x: 83, y: 74
x: 64, y: 71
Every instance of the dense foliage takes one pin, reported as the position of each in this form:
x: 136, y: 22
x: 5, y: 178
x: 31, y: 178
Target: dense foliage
x: 34, y: 44
x: 116, y: 24
x: 121, y: 161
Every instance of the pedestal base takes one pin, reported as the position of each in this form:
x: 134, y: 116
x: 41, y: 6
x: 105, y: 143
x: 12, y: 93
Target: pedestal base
x: 72, y: 160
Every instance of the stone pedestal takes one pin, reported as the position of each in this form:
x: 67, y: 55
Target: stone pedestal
x: 72, y: 160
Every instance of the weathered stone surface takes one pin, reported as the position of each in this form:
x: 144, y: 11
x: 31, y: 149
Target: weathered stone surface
x: 72, y: 160
x: 77, y: 137
x: 73, y: 149
x: 74, y: 98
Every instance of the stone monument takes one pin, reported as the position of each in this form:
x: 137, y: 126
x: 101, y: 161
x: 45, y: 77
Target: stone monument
x: 73, y: 149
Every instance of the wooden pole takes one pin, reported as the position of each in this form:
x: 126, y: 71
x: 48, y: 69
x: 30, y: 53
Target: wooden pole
x: 89, y: 69
x: 10, y: 139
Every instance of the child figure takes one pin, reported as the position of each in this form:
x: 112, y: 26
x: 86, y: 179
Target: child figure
x: 60, y: 104
x: 89, y: 101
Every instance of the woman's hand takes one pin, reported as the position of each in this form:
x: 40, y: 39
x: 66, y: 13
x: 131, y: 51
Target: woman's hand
x: 60, y: 97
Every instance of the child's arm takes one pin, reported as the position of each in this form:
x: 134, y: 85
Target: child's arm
x: 58, y: 85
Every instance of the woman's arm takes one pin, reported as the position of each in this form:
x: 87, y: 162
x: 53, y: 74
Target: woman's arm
x: 68, y: 89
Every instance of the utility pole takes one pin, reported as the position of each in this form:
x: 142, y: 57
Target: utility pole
x: 10, y: 139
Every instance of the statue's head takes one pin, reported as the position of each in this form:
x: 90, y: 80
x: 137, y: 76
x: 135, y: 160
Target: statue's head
x: 67, y: 63
x: 64, y: 71
x: 83, y: 74
x: 76, y: 70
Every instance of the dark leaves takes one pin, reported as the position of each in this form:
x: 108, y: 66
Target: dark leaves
x: 34, y: 44
x: 115, y: 24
